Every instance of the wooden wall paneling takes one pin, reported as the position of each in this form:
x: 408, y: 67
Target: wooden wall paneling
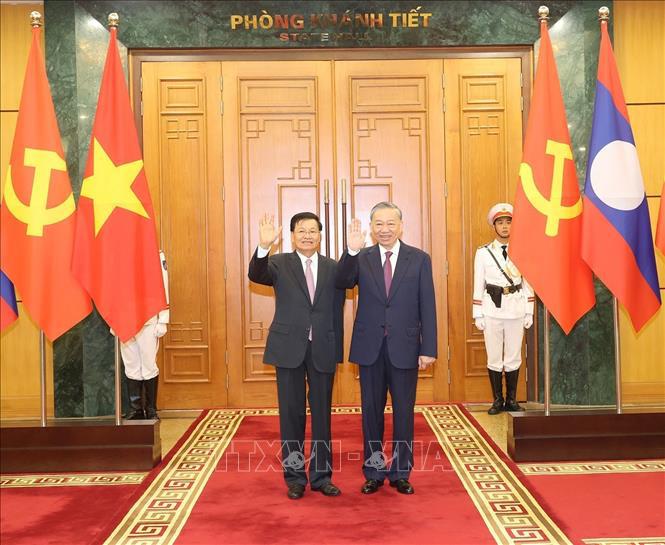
x: 648, y: 122
x: 639, y: 43
x: 278, y: 132
x: 483, y: 150
x: 390, y: 147
x: 182, y: 146
x: 19, y: 371
x: 16, y: 37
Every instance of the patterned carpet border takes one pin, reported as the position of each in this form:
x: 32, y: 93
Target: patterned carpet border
x: 160, y: 513
x: 511, y: 513
x: 626, y: 541
x: 589, y: 468
x: 44, y: 480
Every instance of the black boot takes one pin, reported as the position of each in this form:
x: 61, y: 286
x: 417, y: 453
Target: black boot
x: 151, y: 398
x: 497, y: 392
x: 511, y: 391
x: 135, y: 400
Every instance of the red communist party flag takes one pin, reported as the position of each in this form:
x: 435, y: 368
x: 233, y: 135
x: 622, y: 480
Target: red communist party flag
x: 660, y: 227
x: 37, y: 213
x: 116, y: 256
x: 545, y: 241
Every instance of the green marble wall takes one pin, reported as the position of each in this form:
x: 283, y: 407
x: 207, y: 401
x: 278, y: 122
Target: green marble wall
x: 76, y: 42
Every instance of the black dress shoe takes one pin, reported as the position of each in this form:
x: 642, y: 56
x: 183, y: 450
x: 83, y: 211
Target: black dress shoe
x: 295, y: 491
x: 403, y: 486
x: 328, y: 489
x: 371, y: 486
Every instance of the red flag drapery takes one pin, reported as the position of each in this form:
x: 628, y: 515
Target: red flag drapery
x: 37, y: 212
x: 660, y: 226
x: 545, y: 238
x: 116, y: 256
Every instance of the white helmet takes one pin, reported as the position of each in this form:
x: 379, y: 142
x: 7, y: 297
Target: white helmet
x: 499, y: 210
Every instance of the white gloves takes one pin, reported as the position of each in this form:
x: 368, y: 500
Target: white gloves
x: 160, y: 330
x: 480, y: 323
x: 528, y: 321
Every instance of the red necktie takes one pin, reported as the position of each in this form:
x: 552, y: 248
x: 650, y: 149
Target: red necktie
x: 388, y: 273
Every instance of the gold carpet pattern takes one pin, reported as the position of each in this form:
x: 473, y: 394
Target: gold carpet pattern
x: 582, y: 468
x: 161, y: 512
x: 626, y: 541
x: 72, y: 479
x: 511, y: 513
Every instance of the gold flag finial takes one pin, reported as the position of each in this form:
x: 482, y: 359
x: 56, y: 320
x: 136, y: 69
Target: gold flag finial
x: 604, y: 14
x: 35, y: 19
x: 543, y: 13
x: 113, y: 19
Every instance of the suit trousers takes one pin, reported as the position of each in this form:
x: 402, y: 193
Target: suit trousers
x: 292, y: 420
x: 375, y: 382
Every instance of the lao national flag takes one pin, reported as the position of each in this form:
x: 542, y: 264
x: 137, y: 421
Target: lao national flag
x: 8, y: 308
x: 616, y: 238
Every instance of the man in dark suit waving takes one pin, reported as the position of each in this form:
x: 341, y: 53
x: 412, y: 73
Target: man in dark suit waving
x: 305, y: 343
x: 394, y: 335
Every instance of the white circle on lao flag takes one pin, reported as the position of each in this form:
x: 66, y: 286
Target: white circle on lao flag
x: 616, y: 177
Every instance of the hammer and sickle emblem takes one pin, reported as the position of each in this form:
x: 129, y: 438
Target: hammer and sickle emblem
x: 553, y: 209
x: 36, y: 214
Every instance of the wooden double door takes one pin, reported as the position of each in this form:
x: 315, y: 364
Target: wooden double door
x: 226, y: 141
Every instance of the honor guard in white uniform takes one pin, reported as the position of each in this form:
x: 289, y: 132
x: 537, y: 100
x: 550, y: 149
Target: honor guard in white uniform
x: 502, y: 307
x: 139, y: 355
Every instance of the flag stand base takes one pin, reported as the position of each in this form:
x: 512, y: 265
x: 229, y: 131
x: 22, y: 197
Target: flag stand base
x: 85, y: 444
x: 585, y: 435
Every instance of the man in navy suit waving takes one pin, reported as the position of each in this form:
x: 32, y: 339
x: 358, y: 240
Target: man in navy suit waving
x: 394, y: 335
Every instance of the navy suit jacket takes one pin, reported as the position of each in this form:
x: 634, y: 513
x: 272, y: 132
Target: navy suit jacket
x: 408, y: 313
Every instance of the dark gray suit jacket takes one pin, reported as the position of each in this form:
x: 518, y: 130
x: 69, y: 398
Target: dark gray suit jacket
x: 295, y: 313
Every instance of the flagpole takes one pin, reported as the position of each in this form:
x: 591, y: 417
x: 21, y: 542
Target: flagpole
x: 36, y: 22
x: 604, y: 17
x: 617, y: 353
x: 42, y: 376
x: 543, y: 16
x: 546, y: 350
x: 118, y: 383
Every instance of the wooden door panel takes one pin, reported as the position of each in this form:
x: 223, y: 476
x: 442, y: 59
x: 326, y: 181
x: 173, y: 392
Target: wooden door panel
x: 483, y: 148
x: 182, y: 129
x: 281, y: 114
x: 389, y: 147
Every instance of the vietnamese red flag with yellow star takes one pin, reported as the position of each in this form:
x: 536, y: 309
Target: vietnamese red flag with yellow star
x: 116, y: 256
x: 37, y: 213
x: 545, y: 240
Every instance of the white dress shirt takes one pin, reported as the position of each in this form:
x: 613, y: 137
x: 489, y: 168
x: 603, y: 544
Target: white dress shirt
x: 393, y: 257
x: 262, y: 252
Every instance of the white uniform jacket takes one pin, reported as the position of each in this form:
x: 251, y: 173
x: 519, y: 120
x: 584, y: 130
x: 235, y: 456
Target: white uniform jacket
x: 486, y: 271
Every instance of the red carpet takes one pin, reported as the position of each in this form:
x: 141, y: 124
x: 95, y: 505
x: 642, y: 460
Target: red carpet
x: 70, y: 515
x: 619, y: 505
x: 222, y: 484
x: 250, y: 506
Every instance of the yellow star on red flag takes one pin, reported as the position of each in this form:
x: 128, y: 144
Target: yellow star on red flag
x: 110, y: 186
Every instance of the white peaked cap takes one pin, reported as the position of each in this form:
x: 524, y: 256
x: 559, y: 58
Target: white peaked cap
x: 499, y: 210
